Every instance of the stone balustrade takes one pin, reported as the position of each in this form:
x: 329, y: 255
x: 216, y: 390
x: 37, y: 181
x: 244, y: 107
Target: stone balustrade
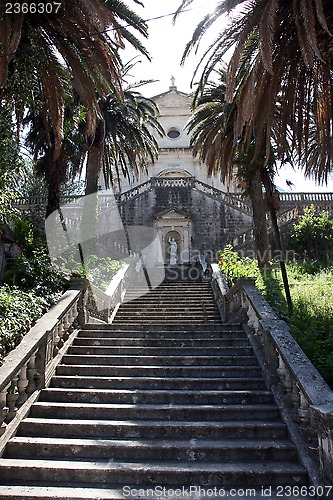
x: 172, y: 182
x: 232, y: 199
x: 103, y: 305
x: 306, y: 198
x: 245, y: 239
x: 304, y: 398
x: 136, y: 191
x: 29, y: 368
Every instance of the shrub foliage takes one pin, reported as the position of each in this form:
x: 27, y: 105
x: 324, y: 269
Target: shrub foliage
x: 311, y: 283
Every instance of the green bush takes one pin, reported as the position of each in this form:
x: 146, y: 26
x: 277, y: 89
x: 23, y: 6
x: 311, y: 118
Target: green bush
x: 99, y: 270
x: 18, y: 311
x: 36, y: 273
x: 234, y: 267
x: 311, y: 285
x: 314, y: 234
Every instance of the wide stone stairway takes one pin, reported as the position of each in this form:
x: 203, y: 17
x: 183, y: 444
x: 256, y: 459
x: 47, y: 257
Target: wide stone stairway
x: 165, y: 396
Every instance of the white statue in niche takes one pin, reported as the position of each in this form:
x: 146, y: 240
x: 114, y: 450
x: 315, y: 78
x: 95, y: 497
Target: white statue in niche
x: 173, y: 251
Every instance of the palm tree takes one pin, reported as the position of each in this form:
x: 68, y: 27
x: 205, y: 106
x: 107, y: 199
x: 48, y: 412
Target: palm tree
x: 213, y: 140
x: 69, y: 163
x: 82, y: 39
x: 125, y: 142
x: 290, y: 66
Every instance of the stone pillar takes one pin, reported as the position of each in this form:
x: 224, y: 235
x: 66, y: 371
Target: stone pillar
x: 323, y: 418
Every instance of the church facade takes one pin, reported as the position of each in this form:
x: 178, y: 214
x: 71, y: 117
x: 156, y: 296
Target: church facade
x: 187, y: 208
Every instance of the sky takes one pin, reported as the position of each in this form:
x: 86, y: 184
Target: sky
x: 166, y: 44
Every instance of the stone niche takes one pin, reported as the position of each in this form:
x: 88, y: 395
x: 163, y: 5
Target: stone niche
x: 177, y: 225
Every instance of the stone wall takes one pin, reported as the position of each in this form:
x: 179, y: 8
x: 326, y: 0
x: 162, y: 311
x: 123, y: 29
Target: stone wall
x: 212, y: 222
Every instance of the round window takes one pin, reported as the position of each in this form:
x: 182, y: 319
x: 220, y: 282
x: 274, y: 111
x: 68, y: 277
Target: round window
x: 173, y: 133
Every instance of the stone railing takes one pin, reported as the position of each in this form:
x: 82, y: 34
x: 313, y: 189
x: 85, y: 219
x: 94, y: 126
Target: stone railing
x: 29, y: 367
x: 132, y: 193
x: 168, y: 182
x: 245, y: 240
x: 233, y: 200
x: 304, y: 398
x: 306, y: 198
x: 104, y: 305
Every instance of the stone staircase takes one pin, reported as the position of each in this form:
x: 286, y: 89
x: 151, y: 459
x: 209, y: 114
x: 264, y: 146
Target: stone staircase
x: 165, y: 396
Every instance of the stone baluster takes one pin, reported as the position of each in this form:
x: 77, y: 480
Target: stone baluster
x: 3, y: 410
x: 32, y: 374
x: 61, y: 332
x: 286, y: 384
x: 22, y: 385
x: 295, y: 398
x: 75, y: 315
x: 304, y: 414
x: 49, y: 347
x: 55, y: 340
x: 12, y: 397
x: 66, y: 324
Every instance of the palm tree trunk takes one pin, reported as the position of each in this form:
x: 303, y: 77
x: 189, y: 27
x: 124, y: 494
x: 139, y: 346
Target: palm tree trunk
x: 94, y: 160
x: 278, y: 240
x: 55, y: 177
x: 259, y: 220
x: 89, y: 221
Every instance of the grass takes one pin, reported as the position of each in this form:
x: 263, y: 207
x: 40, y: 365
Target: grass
x: 311, y: 287
x: 311, y: 322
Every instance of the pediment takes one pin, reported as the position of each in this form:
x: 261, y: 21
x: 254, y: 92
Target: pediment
x: 172, y: 215
x: 173, y: 99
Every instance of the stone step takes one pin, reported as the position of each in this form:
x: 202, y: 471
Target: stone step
x: 168, y: 321
x: 189, y: 331
x: 170, y: 383
x: 160, y: 342
x: 151, y: 429
x: 158, y: 319
x: 168, y: 472
x: 64, y: 491
x: 170, y: 317
x: 225, y: 350
x: 203, y: 372
x: 180, y: 412
x: 124, y: 332
x: 240, y: 359
x: 171, y: 295
x: 179, y: 286
x: 159, y: 308
x: 159, y: 449
x: 151, y: 396
x: 172, y: 301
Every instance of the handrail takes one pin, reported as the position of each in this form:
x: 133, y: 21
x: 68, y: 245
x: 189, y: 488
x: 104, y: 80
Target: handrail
x: 234, y: 200
x: 306, y: 197
x: 305, y: 399
x: 29, y: 367
x: 239, y: 240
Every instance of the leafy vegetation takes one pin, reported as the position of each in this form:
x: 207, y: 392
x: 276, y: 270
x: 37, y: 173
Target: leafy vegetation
x: 32, y: 284
x: 314, y: 233
x: 99, y: 271
x: 311, y: 322
x: 234, y: 267
x: 18, y: 311
x: 281, y: 68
